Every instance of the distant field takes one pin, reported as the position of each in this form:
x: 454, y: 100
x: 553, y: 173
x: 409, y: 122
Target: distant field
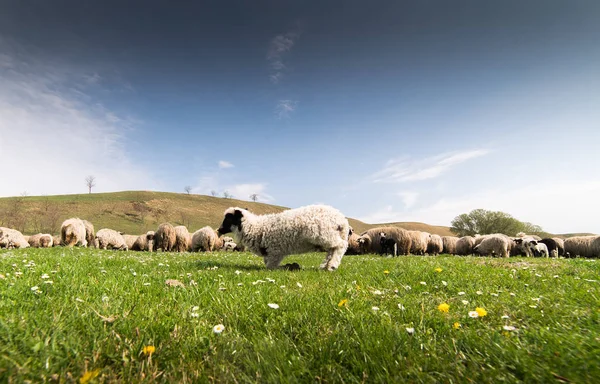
x: 70, y: 314
x: 135, y: 212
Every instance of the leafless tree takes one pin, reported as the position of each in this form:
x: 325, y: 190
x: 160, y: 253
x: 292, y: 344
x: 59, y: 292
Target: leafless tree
x: 254, y: 197
x: 90, y: 182
x: 141, y: 209
x: 214, y: 193
x: 227, y: 195
x: 187, y: 189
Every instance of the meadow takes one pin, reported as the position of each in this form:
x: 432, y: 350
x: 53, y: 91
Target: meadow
x: 86, y: 315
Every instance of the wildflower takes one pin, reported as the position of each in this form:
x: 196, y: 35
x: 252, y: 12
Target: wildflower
x: 149, y: 349
x: 238, y: 272
x: 410, y: 330
x: 193, y: 283
x: 146, y: 284
x: 479, y: 293
x: 282, y: 286
x: 299, y: 285
x: 45, y: 276
x: 508, y: 328
x: 555, y: 276
x: 423, y: 283
x: 505, y: 317
x: 218, y: 328
x: 401, y: 307
x: 195, y: 308
x: 240, y: 284
x: 375, y: 309
x: 512, y: 294
x: 481, y: 312
x: 494, y: 294
x: 274, y: 306
x: 443, y: 308
x: 343, y: 302
x: 461, y: 293
x: 444, y: 283
x: 35, y: 288
x: 456, y: 325
x: 386, y: 272
x: 438, y: 270
x: 79, y: 300
x: 473, y: 314
x: 89, y: 375
x: 533, y: 306
x: 48, y: 282
x: 105, y: 298
x: 377, y: 292
x: 465, y: 302
x: 194, y: 314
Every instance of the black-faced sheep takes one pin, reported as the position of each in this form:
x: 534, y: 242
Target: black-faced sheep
x: 388, y: 246
x: 435, y: 245
x: 109, y: 238
x: 537, y: 249
x: 306, y: 229
x: 73, y: 232
x: 555, y: 246
x: 165, y: 238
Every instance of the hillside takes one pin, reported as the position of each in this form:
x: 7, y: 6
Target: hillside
x: 139, y: 211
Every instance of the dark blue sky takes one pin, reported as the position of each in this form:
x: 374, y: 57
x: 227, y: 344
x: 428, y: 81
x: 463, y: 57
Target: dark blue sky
x: 313, y: 101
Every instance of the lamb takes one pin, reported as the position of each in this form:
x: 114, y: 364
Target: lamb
x: 584, y: 246
x: 537, y: 249
x: 388, y: 245
x: 129, y: 240
x: 11, y: 238
x: 41, y: 241
x: 206, y: 239
x: 419, y: 241
x: 144, y: 242
x: 183, y: 240
x: 90, y: 237
x: 109, y: 238
x: 449, y: 244
x: 306, y: 229
x: 465, y: 245
x: 369, y: 241
x: 555, y: 246
x: 493, y: 245
x: 73, y: 232
x: 522, y: 244
x: 435, y: 245
x: 165, y: 237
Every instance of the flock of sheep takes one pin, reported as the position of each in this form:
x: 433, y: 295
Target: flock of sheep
x: 301, y: 230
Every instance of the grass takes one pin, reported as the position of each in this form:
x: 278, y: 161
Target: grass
x: 104, y: 307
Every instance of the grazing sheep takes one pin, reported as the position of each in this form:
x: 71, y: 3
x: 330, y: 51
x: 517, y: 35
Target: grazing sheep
x: 206, y: 239
x: 537, y: 249
x: 388, y: 245
x: 56, y: 241
x: 90, y: 237
x: 493, y: 245
x: 72, y: 233
x: 369, y: 241
x: 129, y: 240
x: 419, y: 241
x: 183, y: 239
x: 306, y: 229
x: 522, y: 245
x: 435, y: 245
x: 109, y: 238
x: 143, y: 242
x: 11, y: 238
x: 449, y: 244
x: 555, y: 248
x: 229, y: 246
x: 165, y: 238
x: 465, y: 245
x: 353, y: 244
x: 40, y: 240
x: 584, y: 246
x: 227, y: 239
x: 524, y: 235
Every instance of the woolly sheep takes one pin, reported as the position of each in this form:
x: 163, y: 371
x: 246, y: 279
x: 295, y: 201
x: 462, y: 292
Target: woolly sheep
x: 534, y: 237
x: 229, y: 246
x: 369, y: 241
x: 90, y: 237
x: 435, y: 245
x: 11, y: 238
x: 388, y: 245
x: 465, y: 245
x: 537, y: 249
x: 144, y: 242
x: 72, y: 233
x: 584, y: 246
x: 206, y: 239
x: 227, y: 239
x: 165, y: 238
x: 555, y: 248
x: 493, y: 245
x: 353, y: 244
x: 419, y: 241
x: 129, y: 240
x: 40, y: 240
x: 56, y: 241
x: 109, y: 238
x: 183, y: 240
x: 449, y: 243
x: 306, y: 229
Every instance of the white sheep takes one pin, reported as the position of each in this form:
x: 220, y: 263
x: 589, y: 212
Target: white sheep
x: 584, y: 246
x: 465, y: 245
x: 56, y: 241
x: 143, y: 242
x: 90, y: 237
x: 109, y: 238
x: 229, y: 246
x: 496, y: 244
x: 11, y: 238
x: 419, y: 241
x: 72, y: 232
x: 435, y: 245
x: 41, y: 240
x: 306, y: 229
x: 129, y: 240
x: 206, y: 239
x: 165, y: 238
x: 370, y: 241
x: 538, y: 249
x: 449, y: 244
x: 183, y: 240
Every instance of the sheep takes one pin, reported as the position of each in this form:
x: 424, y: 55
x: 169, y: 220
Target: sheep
x: 165, y: 238
x: 41, y: 241
x: 369, y: 241
x: 90, y: 237
x: 584, y: 246
x: 555, y: 246
x: 129, y: 240
x: 227, y: 239
x: 56, y: 241
x: 306, y: 229
x: 435, y: 245
x: 419, y: 241
x: 522, y: 245
x: 183, y: 240
x: 229, y: 246
x: 534, y: 237
x: 388, y: 245
x: 465, y: 245
x: 72, y: 233
x: 353, y: 244
x: 206, y: 239
x: 537, y: 249
x: 143, y: 242
x: 449, y: 243
x: 109, y: 238
x: 11, y: 238
x: 493, y: 245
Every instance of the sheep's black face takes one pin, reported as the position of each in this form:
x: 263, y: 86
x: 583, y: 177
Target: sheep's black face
x: 231, y: 220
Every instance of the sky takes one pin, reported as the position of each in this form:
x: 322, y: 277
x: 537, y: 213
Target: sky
x: 387, y: 110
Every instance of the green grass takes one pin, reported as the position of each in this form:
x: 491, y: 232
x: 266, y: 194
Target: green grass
x: 60, y: 333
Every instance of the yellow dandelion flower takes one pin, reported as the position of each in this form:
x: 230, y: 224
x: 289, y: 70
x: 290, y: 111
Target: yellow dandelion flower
x: 89, y: 375
x: 357, y: 287
x: 456, y: 325
x: 386, y: 272
x: 480, y: 311
x: 149, y: 349
x: 443, y: 308
x: 438, y: 269
x: 342, y: 303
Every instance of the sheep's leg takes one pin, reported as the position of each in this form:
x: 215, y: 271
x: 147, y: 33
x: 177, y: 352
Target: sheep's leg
x: 273, y: 261
x: 328, y: 257
x: 335, y: 258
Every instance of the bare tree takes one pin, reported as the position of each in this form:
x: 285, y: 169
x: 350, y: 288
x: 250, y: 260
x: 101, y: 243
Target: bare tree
x: 214, y: 193
x: 227, y: 195
x: 90, y: 182
x: 141, y: 209
x: 187, y: 189
x: 254, y: 197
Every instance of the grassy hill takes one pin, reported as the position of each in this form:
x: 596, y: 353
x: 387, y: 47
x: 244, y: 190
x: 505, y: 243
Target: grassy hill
x: 139, y: 211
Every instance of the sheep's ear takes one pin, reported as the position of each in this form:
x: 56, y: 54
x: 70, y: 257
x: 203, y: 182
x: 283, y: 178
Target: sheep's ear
x: 534, y: 242
x: 238, y: 213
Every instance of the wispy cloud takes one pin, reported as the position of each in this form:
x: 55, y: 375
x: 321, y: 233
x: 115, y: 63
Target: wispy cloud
x: 218, y: 183
x: 225, y: 164
x: 243, y: 192
x: 408, y: 198
x: 406, y: 169
x: 279, y: 46
x: 285, y: 107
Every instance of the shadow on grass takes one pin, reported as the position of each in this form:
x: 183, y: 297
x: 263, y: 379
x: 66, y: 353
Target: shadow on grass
x: 208, y: 264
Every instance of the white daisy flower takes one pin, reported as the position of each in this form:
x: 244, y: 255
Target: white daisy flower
x: 410, y: 330
x: 194, y: 314
x: 238, y: 272
x: 401, y: 307
x: 299, y: 285
x: 444, y: 283
x: 377, y: 292
x: 273, y: 305
x: 423, y: 283
x: 45, y: 276
x: 479, y: 293
x: 461, y: 293
x: 465, y: 302
x: 505, y: 317
x: 375, y: 309
x: 508, y: 328
x: 473, y: 314
x: 218, y: 328
x: 35, y: 288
